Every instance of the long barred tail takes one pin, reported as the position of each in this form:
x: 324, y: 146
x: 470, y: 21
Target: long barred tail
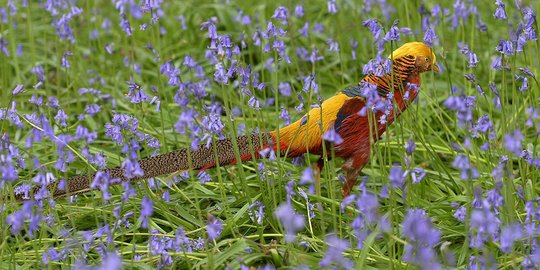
x: 171, y: 162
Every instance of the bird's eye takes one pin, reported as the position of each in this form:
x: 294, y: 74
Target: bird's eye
x: 427, y: 59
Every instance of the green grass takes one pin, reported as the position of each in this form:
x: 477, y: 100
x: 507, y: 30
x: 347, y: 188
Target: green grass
x: 243, y: 242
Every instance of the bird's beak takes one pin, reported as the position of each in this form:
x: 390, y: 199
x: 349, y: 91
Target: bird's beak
x: 435, y: 68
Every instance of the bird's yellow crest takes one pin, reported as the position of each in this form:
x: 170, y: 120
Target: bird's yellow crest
x: 415, y: 49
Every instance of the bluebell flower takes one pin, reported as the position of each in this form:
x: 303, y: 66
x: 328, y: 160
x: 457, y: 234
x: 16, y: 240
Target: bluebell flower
x: 159, y: 246
x: 182, y: 242
x: 19, y: 88
x: 52, y: 102
x: 299, y: 11
x: 268, y: 153
x: 289, y: 189
x: 494, y: 197
x: 368, y: 217
x: 361, y: 230
x: 332, y: 8
x: 302, y: 53
x: 527, y: 72
x: 333, y: 45
x: 65, y: 61
x: 479, y: 89
x: 204, y: 177
x: 461, y: 13
x: 285, y: 89
x: 497, y: 64
x: 214, y: 227
x: 131, y: 167
x: 529, y: 16
x: 468, y: 171
x: 290, y: 220
x: 484, y: 224
x: 471, y: 56
x: 17, y: 218
x: 314, y: 56
x: 347, y: 201
x: 460, y: 213
x: 92, y: 109
x: 354, y: 45
x: 463, y: 106
x: 393, y: 32
x: 373, y: 26
x: 125, y: 25
x: 532, y: 114
x: 332, y: 136
x: 254, y: 103
x: 512, y: 142
x: 417, y: 175
x: 304, y: 30
x: 39, y: 72
x: 422, y: 238
x: 378, y: 66
x: 242, y: 19
x: 44, y: 178
x: 367, y: 203
x: 102, y: 181
x: 23, y: 189
x: 52, y: 255
x: 429, y: 36
x: 210, y: 25
x: 273, y: 31
x: 281, y: 13
x: 220, y: 75
x: 212, y: 123
x: 256, y: 212
x: 373, y: 101
x: 334, y: 253
x: 4, y: 46
x: 410, y: 146
x: 524, y: 82
x: 505, y: 47
x: 19, y: 50
x: 307, y: 176
x: 4, y: 15
x: 172, y: 72
x: 500, y: 13
x: 483, y: 125
x: 484, y: 261
x: 384, y: 192
x: 279, y: 47
x: 63, y: 29
x: 110, y: 261
x: 397, y: 177
x: 146, y: 211
x: 136, y: 94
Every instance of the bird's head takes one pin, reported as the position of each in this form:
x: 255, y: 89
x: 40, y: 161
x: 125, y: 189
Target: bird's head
x: 425, y: 58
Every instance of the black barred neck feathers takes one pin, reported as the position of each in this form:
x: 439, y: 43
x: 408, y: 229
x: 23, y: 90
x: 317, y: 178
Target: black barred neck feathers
x: 403, y: 68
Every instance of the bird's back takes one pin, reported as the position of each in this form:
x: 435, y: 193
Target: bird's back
x: 306, y: 133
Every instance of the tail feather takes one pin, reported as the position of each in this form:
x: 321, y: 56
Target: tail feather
x: 175, y: 161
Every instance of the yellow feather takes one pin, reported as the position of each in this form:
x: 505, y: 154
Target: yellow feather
x: 413, y: 48
x: 297, y: 135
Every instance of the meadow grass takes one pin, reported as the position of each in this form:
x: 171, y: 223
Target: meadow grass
x: 475, y: 207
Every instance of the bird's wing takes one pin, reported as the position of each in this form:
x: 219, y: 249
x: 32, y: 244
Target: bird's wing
x: 306, y: 133
x: 350, y: 107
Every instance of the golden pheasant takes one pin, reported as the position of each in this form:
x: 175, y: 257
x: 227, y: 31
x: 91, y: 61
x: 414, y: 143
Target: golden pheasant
x: 347, y: 113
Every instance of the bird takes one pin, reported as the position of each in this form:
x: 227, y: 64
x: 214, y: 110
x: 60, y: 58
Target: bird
x: 347, y: 114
